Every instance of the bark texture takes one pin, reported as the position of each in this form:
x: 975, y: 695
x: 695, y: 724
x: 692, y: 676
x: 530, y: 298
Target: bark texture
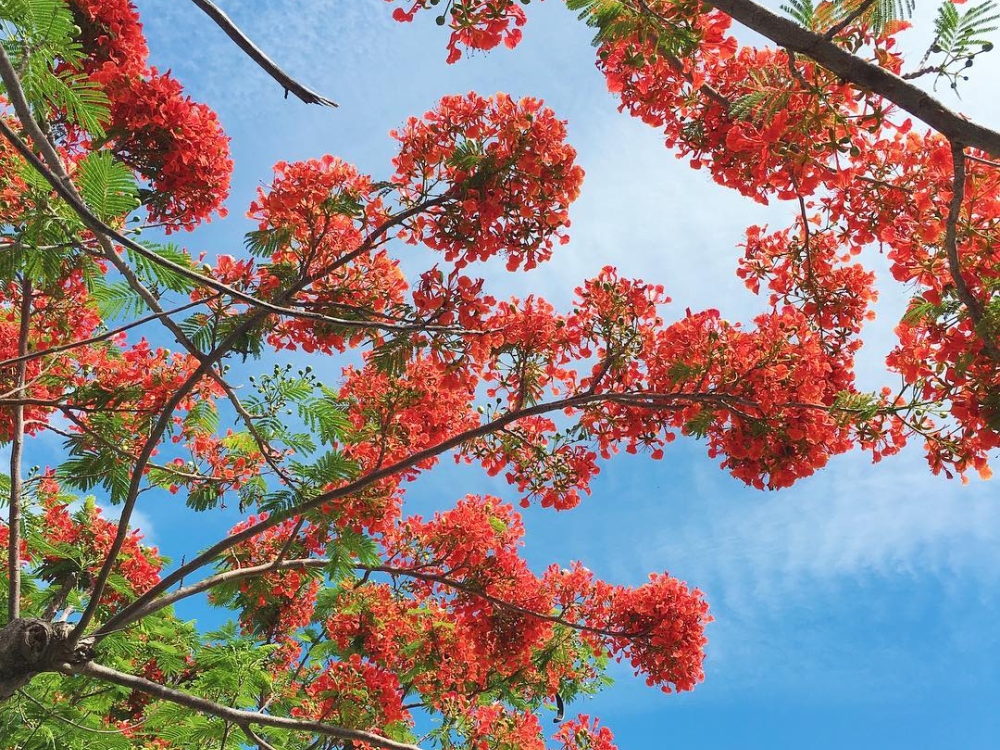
x: 30, y: 646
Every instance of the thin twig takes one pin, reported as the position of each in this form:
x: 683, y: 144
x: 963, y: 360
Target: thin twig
x: 16, y: 448
x: 980, y: 160
x: 921, y: 72
x: 951, y: 248
x: 40, y: 353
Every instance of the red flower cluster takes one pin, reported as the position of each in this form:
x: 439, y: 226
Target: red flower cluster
x: 467, y: 557
x: 585, y: 733
x: 89, y: 535
x: 325, y: 215
x: 475, y: 24
x: 278, y: 604
x: 495, y: 177
x: 356, y: 694
x: 173, y: 143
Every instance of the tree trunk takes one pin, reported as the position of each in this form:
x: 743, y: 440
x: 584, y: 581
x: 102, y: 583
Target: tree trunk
x: 29, y: 646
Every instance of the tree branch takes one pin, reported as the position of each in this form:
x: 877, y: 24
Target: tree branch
x: 67, y: 191
x: 951, y: 248
x: 236, y: 716
x: 16, y: 448
x: 255, y: 53
x: 863, y: 74
x: 256, y: 738
x: 638, y: 400
x: 255, y: 571
x: 40, y: 353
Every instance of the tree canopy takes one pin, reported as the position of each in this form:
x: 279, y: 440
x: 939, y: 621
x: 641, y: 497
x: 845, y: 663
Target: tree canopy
x: 355, y: 622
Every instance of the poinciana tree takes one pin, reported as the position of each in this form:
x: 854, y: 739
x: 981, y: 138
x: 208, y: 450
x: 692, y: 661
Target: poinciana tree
x: 353, y: 619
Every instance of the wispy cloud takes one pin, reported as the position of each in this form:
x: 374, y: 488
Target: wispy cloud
x: 853, y: 519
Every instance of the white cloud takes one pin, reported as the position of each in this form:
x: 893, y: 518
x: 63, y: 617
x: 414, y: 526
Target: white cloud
x: 853, y: 519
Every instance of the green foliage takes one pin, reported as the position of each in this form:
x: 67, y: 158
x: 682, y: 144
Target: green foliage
x: 95, y: 460
x: 116, y: 299
x: 158, y: 275
x: 200, y: 330
x: 921, y: 309
x: 670, y: 35
x: 88, y: 468
x: 873, y: 15
x: 960, y: 37
x: 264, y: 243
x: 762, y: 105
x: 232, y: 668
x: 392, y: 356
x: 202, y: 419
x: 803, y: 12
x: 107, y: 186
x: 326, y: 415
x: 246, y: 340
x: 354, y: 546
x: 884, y: 12
x: 699, y: 425
x: 611, y: 18
x: 39, y: 35
x: 957, y: 33
x: 850, y: 406
x: 467, y: 154
x: 329, y: 468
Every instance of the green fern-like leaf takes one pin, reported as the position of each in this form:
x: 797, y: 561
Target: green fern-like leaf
x: 884, y: 12
x: 39, y: 38
x: 327, y: 416
x: 874, y: 15
x: 264, y: 243
x: 203, y: 418
x: 960, y: 33
x: 762, y: 105
x: 802, y: 12
x: 107, y: 186
x: 610, y: 18
x: 158, y: 274
x: 117, y: 299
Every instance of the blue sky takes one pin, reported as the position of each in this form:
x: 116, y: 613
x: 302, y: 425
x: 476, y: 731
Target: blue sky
x: 856, y: 609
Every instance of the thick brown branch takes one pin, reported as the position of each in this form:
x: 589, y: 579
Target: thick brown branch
x: 289, y: 84
x: 861, y: 73
x: 31, y: 646
x: 238, y: 717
